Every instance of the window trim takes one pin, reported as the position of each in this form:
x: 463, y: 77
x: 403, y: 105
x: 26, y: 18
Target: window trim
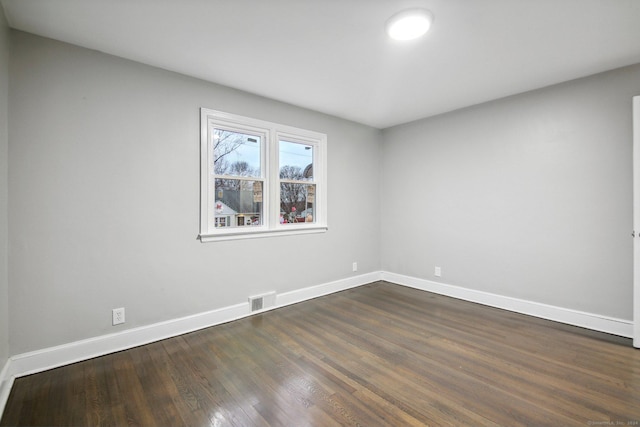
x: 273, y: 133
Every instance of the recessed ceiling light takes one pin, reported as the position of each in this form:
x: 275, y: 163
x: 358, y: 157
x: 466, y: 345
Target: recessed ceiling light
x: 409, y: 24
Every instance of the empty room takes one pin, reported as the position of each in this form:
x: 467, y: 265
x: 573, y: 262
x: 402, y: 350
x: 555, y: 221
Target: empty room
x: 319, y: 212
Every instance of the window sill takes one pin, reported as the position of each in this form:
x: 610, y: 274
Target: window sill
x: 205, y: 238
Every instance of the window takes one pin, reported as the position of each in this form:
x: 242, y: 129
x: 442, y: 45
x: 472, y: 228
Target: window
x: 259, y: 178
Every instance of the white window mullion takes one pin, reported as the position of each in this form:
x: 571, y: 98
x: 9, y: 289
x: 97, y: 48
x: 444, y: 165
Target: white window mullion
x: 274, y: 180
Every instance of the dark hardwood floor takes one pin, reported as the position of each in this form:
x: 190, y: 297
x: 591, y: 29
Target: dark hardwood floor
x: 377, y: 355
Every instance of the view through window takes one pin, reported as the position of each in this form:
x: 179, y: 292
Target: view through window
x: 260, y: 178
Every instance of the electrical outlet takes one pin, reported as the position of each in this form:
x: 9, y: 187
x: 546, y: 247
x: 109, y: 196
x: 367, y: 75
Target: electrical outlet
x: 438, y: 272
x: 118, y: 315
x: 355, y: 266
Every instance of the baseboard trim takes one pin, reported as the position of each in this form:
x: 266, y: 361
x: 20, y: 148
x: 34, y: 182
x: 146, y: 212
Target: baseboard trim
x: 53, y: 357
x: 6, y: 382
x: 558, y: 314
x: 300, y: 295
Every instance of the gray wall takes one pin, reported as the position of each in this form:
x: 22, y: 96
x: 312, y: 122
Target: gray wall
x: 104, y: 185
x: 528, y: 196
x: 4, y: 188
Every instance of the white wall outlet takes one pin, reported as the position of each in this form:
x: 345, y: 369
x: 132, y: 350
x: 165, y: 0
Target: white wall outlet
x: 118, y: 315
x: 437, y: 271
x: 355, y: 266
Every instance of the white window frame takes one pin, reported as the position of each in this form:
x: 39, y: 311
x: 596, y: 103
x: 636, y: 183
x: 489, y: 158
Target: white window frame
x: 270, y: 134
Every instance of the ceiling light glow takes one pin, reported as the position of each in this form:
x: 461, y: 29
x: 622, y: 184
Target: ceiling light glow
x: 409, y: 24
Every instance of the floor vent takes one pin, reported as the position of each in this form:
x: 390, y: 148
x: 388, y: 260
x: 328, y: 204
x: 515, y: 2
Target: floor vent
x: 256, y: 303
x: 260, y: 302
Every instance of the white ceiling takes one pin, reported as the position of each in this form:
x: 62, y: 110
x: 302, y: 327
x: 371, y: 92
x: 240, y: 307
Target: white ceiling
x: 333, y: 56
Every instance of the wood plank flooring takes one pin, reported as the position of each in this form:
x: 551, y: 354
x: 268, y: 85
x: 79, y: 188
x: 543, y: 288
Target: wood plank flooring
x: 377, y: 355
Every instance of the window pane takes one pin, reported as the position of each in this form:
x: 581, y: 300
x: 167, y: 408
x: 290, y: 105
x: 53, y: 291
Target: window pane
x: 296, y: 161
x: 239, y: 202
x: 236, y: 154
x: 297, y: 202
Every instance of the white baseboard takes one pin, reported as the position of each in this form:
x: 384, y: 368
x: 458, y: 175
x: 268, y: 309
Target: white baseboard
x: 52, y: 357
x: 559, y: 314
x: 300, y: 295
x: 6, y: 382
